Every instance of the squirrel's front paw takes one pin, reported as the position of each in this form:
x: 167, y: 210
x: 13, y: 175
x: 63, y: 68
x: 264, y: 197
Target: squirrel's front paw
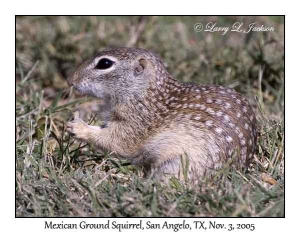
x: 78, y: 129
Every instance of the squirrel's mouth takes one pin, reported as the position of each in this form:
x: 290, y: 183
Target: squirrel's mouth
x: 71, y: 79
x: 79, y: 85
x: 86, y: 88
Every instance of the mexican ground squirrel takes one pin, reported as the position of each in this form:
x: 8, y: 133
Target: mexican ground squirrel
x: 158, y: 122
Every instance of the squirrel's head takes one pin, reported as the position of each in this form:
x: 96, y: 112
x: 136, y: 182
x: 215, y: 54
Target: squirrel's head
x: 119, y: 74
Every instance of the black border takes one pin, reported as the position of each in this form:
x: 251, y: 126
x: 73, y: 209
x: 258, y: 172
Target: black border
x: 166, y: 217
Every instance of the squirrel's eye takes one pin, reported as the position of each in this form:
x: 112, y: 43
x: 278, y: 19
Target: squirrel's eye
x: 104, y: 63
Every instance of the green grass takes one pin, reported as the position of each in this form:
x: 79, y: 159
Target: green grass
x: 57, y: 176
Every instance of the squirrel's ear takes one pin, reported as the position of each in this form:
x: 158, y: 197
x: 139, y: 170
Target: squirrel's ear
x: 141, y: 66
x: 143, y: 63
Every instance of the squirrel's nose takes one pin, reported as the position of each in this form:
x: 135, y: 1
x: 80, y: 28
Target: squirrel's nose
x: 70, y: 79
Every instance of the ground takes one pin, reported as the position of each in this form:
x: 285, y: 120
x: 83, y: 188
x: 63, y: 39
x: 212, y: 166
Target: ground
x: 57, y: 176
